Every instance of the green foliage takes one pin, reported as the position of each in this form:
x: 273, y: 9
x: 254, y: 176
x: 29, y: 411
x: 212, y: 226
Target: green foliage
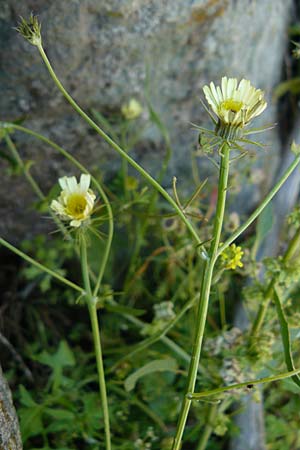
x: 157, y: 365
x: 147, y: 308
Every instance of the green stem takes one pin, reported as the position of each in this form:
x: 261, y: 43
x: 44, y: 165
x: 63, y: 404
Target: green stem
x: 35, y: 187
x: 40, y: 266
x: 258, y: 210
x: 249, y: 384
x: 168, y: 342
x: 116, y: 147
x: 135, y: 401
x: 292, y: 248
x: 208, y: 427
x: 82, y: 168
x: 222, y: 309
x: 124, y: 162
x: 143, y: 227
x: 204, y: 294
x: 156, y: 336
x: 92, y: 307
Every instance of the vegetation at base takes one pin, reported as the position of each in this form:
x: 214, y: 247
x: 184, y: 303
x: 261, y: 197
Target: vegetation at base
x: 152, y: 278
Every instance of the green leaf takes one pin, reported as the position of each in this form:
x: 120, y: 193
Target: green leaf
x: 60, y: 414
x: 25, y: 397
x: 158, y: 365
x: 62, y: 358
x: 31, y: 421
x: 285, y: 336
x: 292, y: 86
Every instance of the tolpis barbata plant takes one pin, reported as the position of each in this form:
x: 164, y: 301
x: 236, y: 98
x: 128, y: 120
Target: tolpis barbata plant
x: 232, y: 107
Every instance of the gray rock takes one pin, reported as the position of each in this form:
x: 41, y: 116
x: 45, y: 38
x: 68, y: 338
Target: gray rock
x: 101, y: 51
x: 10, y: 438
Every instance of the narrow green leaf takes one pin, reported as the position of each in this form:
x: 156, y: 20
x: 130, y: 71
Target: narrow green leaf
x: 157, y: 365
x: 25, y: 397
x: 60, y: 414
x: 285, y: 335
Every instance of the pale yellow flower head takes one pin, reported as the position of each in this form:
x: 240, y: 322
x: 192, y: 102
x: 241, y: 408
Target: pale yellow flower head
x: 132, y: 110
x: 235, y: 105
x: 76, y: 200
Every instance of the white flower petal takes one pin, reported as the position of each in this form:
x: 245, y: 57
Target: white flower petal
x: 224, y: 84
x: 75, y: 223
x: 63, y: 182
x: 220, y: 96
x: 57, y: 207
x: 209, y: 97
x: 231, y: 87
x: 72, y: 185
x: 235, y: 103
x: 214, y: 93
x: 85, y: 181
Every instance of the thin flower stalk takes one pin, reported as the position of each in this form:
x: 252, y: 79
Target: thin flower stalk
x: 97, y: 185
x: 234, y: 105
x: 246, y: 384
x: 40, y: 266
x: 261, y: 207
x: 35, y: 187
x: 116, y: 147
x: 204, y: 294
x: 92, y: 307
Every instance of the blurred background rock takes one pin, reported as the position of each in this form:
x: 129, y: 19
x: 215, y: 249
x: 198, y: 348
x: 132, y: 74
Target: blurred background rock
x: 102, y: 52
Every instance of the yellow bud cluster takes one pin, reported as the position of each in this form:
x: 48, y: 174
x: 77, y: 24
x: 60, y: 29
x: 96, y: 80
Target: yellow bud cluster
x: 232, y: 256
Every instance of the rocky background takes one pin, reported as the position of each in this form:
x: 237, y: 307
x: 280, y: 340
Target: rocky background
x: 10, y: 438
x: 102, y: 51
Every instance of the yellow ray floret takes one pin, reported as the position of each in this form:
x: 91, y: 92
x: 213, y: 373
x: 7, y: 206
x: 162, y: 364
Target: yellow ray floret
x: 76, y: 200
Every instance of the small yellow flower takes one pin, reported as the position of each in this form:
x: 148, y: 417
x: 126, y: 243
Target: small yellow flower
x: 132, y: 109
x: 232, y: 256
x: 234, y: 105
x: 76, y: 200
